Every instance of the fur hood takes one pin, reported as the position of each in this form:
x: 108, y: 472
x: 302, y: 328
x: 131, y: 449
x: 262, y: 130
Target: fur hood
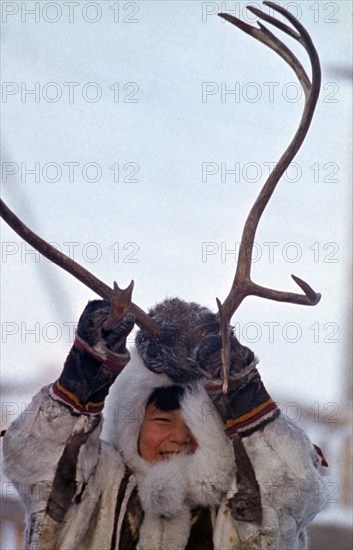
x: 172, y: 487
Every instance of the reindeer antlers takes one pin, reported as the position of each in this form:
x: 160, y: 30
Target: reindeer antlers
x: 243, y: 285
x: 121, y: 299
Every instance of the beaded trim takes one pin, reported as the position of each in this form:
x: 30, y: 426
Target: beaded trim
x: 59, y: 393
x: 248, y: 423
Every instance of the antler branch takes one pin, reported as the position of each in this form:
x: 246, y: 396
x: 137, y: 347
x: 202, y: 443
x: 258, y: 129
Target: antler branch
x: 242, y: 284
x: 80, y: 273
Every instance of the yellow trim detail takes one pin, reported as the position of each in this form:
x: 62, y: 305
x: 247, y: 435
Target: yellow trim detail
x: 75, y: 400
x: 232, y: 422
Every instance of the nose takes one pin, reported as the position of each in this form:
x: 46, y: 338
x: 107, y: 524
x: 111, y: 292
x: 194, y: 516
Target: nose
x: 180, y: 433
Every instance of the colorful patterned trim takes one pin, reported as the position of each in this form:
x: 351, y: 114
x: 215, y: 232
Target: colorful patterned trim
x: 214, y: 388
x: 83, y: 346
x: 250, y: 422
x: 59, y: 393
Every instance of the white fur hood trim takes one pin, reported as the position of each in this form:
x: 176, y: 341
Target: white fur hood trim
x: 202, y: 478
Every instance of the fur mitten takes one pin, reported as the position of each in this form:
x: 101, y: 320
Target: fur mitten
x: 95, y: 359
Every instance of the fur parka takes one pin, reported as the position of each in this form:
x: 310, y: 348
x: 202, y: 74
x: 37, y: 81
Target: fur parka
x: 88, y: 490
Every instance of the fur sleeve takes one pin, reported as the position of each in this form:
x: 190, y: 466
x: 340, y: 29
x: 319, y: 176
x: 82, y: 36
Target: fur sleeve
x: 48, y: 445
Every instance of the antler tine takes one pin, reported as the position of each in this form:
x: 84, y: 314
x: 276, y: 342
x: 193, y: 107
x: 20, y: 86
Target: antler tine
x: 269, y: 39
x: 302, y: 36
x: 225, y: 351
x: 242, y: 284
x: 283, y: 51
x: 120, y: 305
x: 80, y: 273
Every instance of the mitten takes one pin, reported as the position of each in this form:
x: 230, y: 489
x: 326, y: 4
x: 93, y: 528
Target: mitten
x: 247, y: 405
x: 245, y: 408
x: 96, y: 358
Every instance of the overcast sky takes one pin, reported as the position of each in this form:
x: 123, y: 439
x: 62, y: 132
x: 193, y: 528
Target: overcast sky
x: 136, y: 136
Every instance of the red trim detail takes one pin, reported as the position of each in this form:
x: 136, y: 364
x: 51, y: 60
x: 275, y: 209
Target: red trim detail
x: 216, y: 388
x: 112, y: 365
x: 90, y: 408
x: 252, y: 420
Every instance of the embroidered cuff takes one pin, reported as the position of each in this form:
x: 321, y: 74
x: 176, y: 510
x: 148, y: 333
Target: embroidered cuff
x: 114, y: 361
x: 59, y: 393
x: 255, y: 419
x: 87, y: 376
x: 247, y: 406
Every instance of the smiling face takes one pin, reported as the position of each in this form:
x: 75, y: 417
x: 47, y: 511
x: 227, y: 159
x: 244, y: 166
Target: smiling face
x: 163, y: 434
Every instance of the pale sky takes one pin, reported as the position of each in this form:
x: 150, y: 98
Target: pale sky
x: 137, y: 140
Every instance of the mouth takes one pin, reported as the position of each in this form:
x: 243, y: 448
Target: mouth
x: 168, y: 454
